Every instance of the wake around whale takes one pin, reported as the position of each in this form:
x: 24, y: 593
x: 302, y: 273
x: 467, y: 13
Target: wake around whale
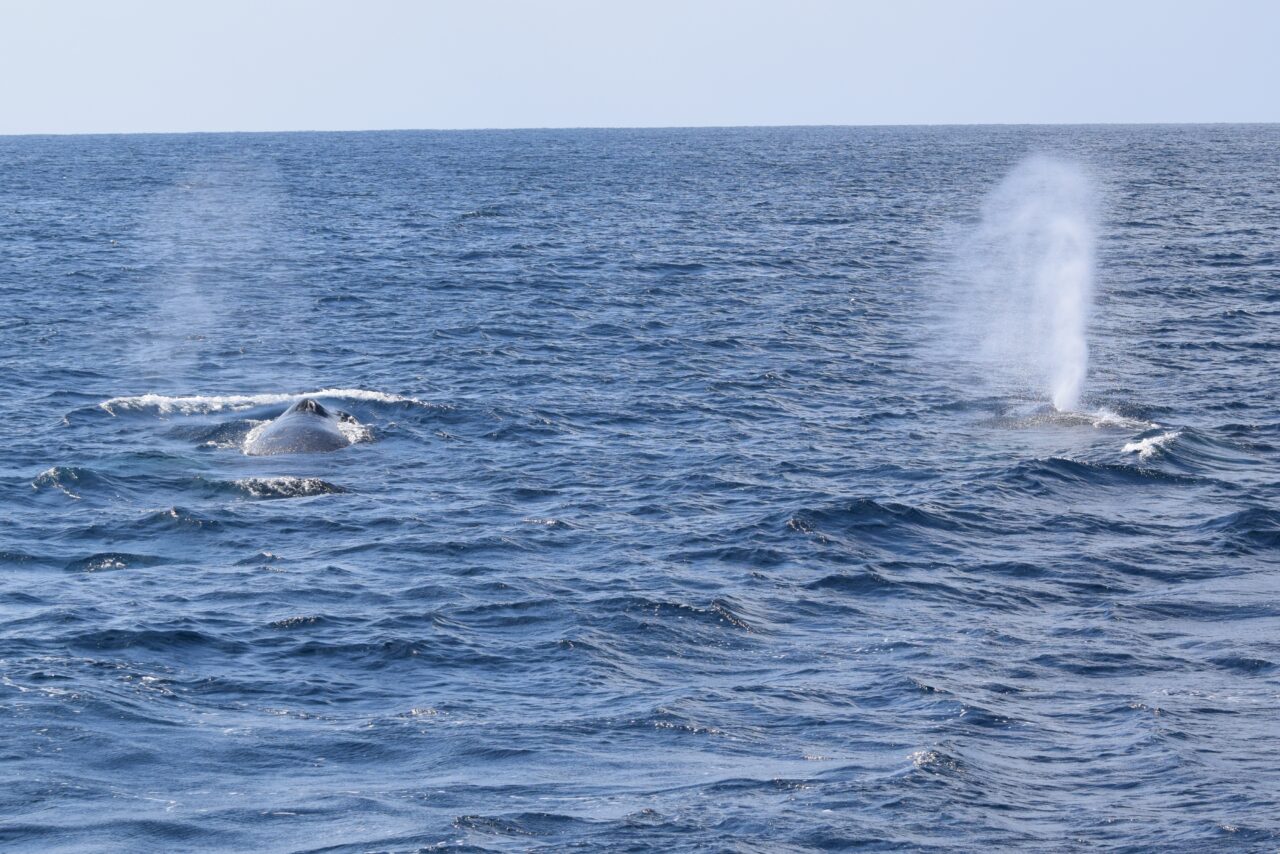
x: 305, y: 427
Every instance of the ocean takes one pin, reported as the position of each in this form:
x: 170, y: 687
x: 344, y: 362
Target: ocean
x: 706, y: 490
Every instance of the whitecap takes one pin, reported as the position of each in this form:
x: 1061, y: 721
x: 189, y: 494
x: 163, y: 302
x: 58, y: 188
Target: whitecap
x: 201, y: 404
x: 355, y: 431
x: 1146, y: 448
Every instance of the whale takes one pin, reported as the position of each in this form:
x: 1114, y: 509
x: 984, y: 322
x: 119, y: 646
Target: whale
x: 306, y: 427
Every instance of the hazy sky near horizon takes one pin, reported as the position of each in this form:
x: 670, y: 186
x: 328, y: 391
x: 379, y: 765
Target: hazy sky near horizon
x: 148, y: 65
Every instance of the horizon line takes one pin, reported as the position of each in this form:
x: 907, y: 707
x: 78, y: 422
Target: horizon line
x: 496, y: 128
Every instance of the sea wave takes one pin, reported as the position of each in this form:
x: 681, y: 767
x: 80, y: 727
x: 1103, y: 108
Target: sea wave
x: 697, y: 510
x: 286, y: 487
x: 204, y: 404
x: 1151, y: 445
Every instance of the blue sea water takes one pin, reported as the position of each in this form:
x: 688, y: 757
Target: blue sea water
x: 667, y: 528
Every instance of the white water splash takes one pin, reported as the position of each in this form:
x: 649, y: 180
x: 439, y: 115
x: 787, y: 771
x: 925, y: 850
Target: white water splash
x: 286, y: 487
x: 1148, y: 447
x: 1028, y: 275
x: 202, y: 404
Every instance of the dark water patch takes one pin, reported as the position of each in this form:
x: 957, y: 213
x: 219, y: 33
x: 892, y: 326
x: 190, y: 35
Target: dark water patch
x: 176, y: 641
x: 868, y: 524
x: 13, y: 558
x: 1191, y: 450
x: 865, y: 514
x: 718, y: 614
x: 108, y: 561
x: 864, y: 584
x: 740, y: 556
x: 1245, y: 665
x: 341, y: 300
x: 75, y: 482
x: 1046, y: 476
x: 55, y: 835
x: 176, y: 519
x: 1204, y: 609
x: 510, y: 614
x: 1253, y: 528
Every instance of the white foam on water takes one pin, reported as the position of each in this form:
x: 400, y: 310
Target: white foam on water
x: 1106, y: 418
x: 355, y: 431
x: 203, y: 404
x: 286, y: 487
x: 1146, y: 448
x: 54, y: 477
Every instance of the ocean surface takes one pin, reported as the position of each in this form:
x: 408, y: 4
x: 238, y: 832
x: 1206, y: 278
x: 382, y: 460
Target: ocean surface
x: 679, y: 517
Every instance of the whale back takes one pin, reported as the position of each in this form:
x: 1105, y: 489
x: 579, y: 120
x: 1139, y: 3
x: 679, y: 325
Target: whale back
x: 305, y: 427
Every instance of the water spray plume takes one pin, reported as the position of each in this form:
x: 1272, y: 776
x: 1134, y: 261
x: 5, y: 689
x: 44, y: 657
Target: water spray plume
x: 1029, y: 268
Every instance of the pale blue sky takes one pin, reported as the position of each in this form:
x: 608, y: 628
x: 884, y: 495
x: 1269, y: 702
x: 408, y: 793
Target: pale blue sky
x: 131, y: 65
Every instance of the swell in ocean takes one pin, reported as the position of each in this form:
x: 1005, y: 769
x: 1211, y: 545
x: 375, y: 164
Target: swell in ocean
x: 768, y: 489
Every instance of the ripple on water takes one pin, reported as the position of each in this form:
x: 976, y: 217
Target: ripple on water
x: 677, y: 520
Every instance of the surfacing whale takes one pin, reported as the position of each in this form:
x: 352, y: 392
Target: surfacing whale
x: 306, y: 427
